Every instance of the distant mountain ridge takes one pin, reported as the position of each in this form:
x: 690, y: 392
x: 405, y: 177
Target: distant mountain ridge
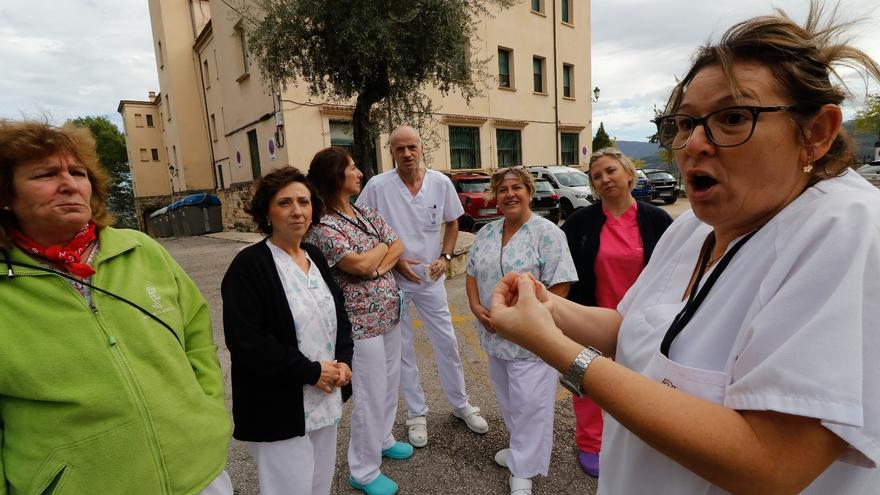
x: 639, y: 150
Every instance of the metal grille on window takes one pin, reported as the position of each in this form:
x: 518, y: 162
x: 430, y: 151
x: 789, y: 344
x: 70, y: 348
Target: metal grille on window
x: 509, y: 147
x: 464, y: 147
x: 569, y: 148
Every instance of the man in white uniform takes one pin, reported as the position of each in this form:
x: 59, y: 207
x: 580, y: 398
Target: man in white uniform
x: 416, y: 202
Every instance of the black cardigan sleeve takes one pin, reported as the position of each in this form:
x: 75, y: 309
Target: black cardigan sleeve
x: 257, y: 322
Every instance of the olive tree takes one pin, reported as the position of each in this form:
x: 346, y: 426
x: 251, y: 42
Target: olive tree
x: 381, y: 53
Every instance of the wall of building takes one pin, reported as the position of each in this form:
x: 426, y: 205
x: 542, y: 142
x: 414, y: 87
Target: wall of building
x: 218, y: 98
x: 149, y: 173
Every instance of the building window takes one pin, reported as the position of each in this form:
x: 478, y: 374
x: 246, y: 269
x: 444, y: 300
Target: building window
x: 161, y: 56
x: 144, y: 156
x: 243, y: 48
x: 220, y: 176
x: 213, y: 127
x: 566, y: 11
x: 538, y: 74
x: 569, y: 148
x: 138, y: 120
x: 168, y: 106
x: 206, y: 74
x: 464, y: 147
x: 341, y: 135
x: 154, y: 152
x: 149, y: 120
x: 538, y: 6
x: 567, y: 80
x: 254, y: 147
x: 509, y: 147
x: 505, y: 68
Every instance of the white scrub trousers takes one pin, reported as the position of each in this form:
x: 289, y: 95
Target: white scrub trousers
x: 375, y: 382
x: 433, y: 306
x: 526, y: 394
x: 302, y: 465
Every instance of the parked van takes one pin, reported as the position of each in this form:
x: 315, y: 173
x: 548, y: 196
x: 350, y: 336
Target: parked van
x: 572, y: 186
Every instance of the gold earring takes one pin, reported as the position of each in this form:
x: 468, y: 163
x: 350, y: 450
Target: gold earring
x: 808, y: 167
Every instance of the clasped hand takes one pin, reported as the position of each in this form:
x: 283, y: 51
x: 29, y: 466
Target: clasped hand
x: 333, y: 374
x: 523, y: 311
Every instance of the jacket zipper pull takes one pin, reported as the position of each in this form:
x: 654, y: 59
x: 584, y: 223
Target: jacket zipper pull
x: 111, y: 340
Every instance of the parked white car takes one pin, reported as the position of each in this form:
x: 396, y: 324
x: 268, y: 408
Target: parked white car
x: 572, y: 186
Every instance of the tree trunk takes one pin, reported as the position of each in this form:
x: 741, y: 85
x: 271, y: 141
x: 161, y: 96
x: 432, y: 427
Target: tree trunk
x: 363, y: 148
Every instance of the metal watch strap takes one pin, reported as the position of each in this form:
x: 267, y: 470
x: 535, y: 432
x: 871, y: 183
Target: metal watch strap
x: 574, y: 376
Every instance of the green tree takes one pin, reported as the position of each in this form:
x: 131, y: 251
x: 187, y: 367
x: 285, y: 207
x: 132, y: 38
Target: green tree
x: 602, y: 140
x: 112, y: 154
x: 868, y: 118
x: 381, y: 53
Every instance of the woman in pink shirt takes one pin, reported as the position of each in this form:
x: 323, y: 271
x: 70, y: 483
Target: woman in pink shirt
x: 610, y: 241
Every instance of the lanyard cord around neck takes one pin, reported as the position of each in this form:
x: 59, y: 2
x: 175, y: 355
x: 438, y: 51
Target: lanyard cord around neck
x: 696, y: 297
x: 359, y: 224
x: 11, y: 275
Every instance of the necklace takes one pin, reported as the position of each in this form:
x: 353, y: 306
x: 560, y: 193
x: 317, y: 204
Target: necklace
x: 713, y: 260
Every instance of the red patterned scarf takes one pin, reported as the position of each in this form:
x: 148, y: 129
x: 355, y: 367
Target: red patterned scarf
x: 68, y: 256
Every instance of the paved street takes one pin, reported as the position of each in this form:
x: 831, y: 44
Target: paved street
x: 455, y: 461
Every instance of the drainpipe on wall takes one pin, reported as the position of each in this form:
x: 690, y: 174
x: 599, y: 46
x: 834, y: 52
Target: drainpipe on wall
x: 555, y: 89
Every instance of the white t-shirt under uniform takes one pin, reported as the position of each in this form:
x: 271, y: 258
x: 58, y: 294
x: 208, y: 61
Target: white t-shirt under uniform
x: 416, y: 219
x: 792, y: 325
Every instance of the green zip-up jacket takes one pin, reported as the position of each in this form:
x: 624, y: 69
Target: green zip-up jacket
x: 102, y: 399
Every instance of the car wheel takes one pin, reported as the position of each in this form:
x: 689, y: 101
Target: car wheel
x: 565, y: 208
x: 670, y: 201
x: 466, y: 224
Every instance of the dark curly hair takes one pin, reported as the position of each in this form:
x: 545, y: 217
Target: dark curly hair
x: 327, y: 173
x: 268, y: 186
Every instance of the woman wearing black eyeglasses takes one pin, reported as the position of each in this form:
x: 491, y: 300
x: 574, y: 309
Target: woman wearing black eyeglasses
x: 362, y: 249
x: 746, y: 350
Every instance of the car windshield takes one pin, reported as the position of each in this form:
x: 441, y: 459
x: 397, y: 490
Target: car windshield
x: 572, y: 179
x: 641, y: 174
x: 543, y: 186
x: 474, y: 186
x: 659, y: 175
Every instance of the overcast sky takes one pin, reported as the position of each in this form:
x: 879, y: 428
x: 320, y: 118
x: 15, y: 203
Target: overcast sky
x: 80, y: 57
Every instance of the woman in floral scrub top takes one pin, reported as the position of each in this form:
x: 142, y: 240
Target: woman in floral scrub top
x: 362, y: 249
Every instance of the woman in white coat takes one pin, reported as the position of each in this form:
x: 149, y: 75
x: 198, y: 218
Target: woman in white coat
x: 746, y: 351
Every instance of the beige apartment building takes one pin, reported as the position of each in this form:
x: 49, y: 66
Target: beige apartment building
x: 220, y: 126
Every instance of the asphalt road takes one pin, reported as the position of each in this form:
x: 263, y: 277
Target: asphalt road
x: 455, y: 461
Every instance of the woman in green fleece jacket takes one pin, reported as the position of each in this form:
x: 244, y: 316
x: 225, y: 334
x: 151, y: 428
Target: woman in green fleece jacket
x: 109, y: 379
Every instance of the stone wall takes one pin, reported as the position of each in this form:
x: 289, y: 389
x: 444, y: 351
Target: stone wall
x: 145, y: 205
x: 234, y: 199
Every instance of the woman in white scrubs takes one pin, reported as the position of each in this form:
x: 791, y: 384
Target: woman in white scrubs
x: 746, y: 349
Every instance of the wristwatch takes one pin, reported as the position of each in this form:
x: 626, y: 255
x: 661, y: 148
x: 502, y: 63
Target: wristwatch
x: 447, y: 256
x: 574, y: 376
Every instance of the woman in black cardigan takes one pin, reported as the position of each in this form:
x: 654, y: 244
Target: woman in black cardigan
x: 610, y: 242
x: 291, y: 354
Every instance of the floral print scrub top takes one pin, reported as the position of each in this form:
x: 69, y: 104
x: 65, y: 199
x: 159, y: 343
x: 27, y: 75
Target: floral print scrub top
x: 373, y: 305
x: 314, y: 316
x: 538, y: 247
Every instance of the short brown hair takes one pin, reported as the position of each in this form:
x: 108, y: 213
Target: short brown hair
x: 327, y: 173
x: 268, y: 186
x: 622, y: 159
x: 519, y: 172
x: 29, y: 140
x: 801, y: 58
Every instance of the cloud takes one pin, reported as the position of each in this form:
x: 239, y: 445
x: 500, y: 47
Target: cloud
x: 74, y: 58
x: 639, y: 48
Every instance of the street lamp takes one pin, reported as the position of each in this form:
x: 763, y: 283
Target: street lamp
x: 596, y: 91
x: 172, y: 171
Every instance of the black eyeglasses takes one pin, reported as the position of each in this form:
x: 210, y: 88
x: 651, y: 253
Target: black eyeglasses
x: 728, y: 127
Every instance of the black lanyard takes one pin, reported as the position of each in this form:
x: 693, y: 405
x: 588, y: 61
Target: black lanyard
x: 359, y: 224
x: 696, y: 299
